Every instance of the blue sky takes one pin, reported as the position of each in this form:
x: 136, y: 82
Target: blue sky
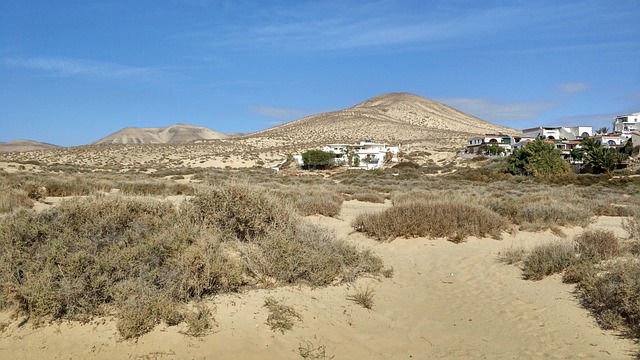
x: 72, y: 72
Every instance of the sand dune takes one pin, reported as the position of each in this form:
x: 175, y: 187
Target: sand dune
x: 445, y: 301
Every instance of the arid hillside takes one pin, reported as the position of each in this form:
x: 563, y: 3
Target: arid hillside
x: 25, y: 145
x: 395, y: 117
x: 428, y: 131
x: 174, y: 134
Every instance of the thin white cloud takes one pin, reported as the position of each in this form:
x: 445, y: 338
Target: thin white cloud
x: 54, y: 66
x: 572, y: 88
x: 322, y: 26
x: 493, y: 111
x: 281, y: 114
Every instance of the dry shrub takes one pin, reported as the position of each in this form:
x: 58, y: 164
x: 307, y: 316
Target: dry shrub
x: 138, y: 255
x: 198, y: 321
x: 312, y: 201
x: 241, y: 211
x: 307, y: 253
x: 548, y: 259
x: 541, y: 214
x: 598, y: 244
x: 613, y: 294
x: 147, y: 258
x: 452, y: 220
x: 11, y: 199
x: 369, y: 197
x: 281, y: 317
x: 512, y: 255
x: 632, y: 226
x: 313, y: 349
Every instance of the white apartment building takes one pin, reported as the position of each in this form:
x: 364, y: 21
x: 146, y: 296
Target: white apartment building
x: 626, y: 125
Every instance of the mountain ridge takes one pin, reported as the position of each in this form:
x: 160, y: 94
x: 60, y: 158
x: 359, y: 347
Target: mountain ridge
x: 172, y: 134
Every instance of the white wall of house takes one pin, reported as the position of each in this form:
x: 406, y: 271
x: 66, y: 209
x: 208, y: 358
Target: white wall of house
x: 573, y: 132
x: 371, y: 155
x: 547, y: 132
x: 609, y: 140
x: 626, y: 124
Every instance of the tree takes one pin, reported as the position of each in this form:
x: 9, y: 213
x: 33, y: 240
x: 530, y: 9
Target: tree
x: 351, y: 155
x: 599, y: 159
x: 603, y: 130
x: 537, y: 159
x: 494, y: 150
x: 628, y: 148
x: 318, y: 159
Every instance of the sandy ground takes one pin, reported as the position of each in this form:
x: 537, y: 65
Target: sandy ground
x: 445, y: 301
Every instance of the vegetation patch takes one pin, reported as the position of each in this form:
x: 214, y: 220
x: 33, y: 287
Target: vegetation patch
x: 146, y: 259
x: 451, y: 220
x: 281, y: 317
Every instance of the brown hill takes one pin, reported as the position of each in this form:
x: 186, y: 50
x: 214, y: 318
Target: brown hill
x: 25, y: 145
x: 174, y: 134
x: 395, y: 117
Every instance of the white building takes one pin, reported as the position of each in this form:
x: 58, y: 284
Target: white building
x: 610, y: 139
x: 626, y: 125
x: 474, y: 145
x: 558, y: 132
x: 369, y: 155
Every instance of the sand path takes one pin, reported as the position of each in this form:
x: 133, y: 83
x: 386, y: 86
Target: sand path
x: 445, y: 301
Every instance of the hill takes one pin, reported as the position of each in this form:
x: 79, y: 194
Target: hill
x: 174, y: 134
x: 25, y: 145
x: 395, y: 117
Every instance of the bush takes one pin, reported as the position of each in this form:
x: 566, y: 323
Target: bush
x: 11, y: 199
x: 146, y: 259
x: 548, y: 259
x: 613, y: 295
x: 281, y: 317
x: 451, y: 220
x: 241, y: 211
x: 138, y: 255
x: 537, y: 159
x: 369, y: 197
x: 598, y: 244
x: 318, y: 159
x: 307, y: 253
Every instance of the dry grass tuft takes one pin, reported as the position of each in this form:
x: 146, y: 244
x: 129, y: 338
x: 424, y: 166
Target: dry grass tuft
x: 363, y: 298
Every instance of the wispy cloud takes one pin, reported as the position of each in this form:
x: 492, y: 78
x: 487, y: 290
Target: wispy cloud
x: 572, y: 88
x: 55, y: 66
x: 335, y: 26
x: 493, y: 111
x: 589, y: 119
x: 280, y: 114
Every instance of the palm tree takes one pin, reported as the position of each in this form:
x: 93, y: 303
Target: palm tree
x: 603, y: 131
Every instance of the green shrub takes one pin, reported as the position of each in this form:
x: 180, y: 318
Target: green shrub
x: 538, y: 158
